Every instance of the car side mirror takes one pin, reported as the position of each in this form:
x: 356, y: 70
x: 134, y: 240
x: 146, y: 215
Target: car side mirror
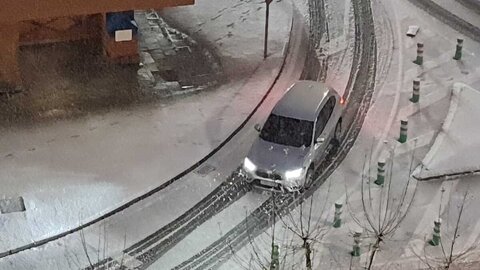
x: 320, y: 140
x: 257, y: 127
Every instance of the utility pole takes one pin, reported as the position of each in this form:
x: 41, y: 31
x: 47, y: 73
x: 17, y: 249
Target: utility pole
x: 265, y: 48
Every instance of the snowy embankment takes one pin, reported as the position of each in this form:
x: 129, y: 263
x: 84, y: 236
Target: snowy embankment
x: 456, y: 149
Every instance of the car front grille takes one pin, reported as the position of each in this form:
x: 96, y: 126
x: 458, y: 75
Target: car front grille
x: 269, y: 175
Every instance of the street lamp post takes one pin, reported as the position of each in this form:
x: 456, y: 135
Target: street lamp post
x: 265, y: 48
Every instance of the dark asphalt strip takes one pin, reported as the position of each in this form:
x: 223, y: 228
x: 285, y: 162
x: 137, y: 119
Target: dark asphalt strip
x: 359, y: 102
x: 448, y: 18
x: 155, y: 190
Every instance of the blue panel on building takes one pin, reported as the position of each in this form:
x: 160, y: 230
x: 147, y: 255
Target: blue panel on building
x: 121, y: 21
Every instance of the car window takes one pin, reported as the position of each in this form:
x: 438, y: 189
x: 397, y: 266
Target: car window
x: 287, y: 131
x: 324, y: 115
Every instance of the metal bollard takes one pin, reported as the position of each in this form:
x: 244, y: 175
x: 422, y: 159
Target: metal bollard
x: 337, y: 220
x: 458, y: 52
x: 275, y: 263
x: 356, y: 244
x: 380, y: 172
x: 416, y: 91
x: 419, y: 60
x: 403, y: 131
x: 436, y: 233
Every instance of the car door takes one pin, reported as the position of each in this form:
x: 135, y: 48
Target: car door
x: 324, y: 127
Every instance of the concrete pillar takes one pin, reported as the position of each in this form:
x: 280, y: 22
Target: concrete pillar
x: 416, y: 91
x: 337, y: 220
x: 380, y: 172
x: 9, y: 66
x: 435, y: 241
x: 458, y: 51
x: 403, y: 131
x: 356, y: 243
x: 419, y: 60
x: 275, y: 263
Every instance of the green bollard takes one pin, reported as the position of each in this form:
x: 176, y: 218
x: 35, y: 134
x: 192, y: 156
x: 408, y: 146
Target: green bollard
x: 436, y: 233
x: 403, y: 131
x: 419, y: 60
x: 416, y: 91
x: 458, y: 52
x: 337, y: 220
x: 275, y: 263
x: 356, y: 244
x: 380, y: 173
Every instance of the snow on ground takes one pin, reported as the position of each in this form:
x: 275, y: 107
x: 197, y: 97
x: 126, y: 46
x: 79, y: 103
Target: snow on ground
x: 302, y: 7
x: 146, y: 217
x: 456, y: 149
x: 339, y: 47
x: 460, y: 10
x: 235, y: 29
x: 69, y: 172
x: 210, y: 231
x: 391, y: 104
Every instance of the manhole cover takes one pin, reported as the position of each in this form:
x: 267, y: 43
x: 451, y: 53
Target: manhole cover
x: 203, y: 171
x: 12, y: 205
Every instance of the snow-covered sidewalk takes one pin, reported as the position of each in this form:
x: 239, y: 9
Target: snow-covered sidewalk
x: 456, y: 148
x: 70, y: 172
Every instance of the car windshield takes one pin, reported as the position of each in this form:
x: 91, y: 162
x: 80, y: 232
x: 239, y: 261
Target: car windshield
x: 287, y: 131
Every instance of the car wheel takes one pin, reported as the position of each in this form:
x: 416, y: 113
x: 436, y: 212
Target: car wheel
x: 337, y: 134
x: 308, y: 179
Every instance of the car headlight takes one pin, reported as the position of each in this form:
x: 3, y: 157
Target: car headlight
x: 294, y: 173
x: 248, y: 165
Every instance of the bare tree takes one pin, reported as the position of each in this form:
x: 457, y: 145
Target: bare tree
x: 258, y: 258
x: 307, y: 226
x: 450, y: 256
x: 97, y: 257
x: 292, y: 238
x: 382, y: 209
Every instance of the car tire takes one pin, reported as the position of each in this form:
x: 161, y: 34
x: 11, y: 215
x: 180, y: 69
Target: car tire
x: 308, y: 178
x: 337, y: 133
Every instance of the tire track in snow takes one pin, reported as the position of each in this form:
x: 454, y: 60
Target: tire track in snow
x: 363, y: 81
x: 149, y: 249
x: 152, y: 192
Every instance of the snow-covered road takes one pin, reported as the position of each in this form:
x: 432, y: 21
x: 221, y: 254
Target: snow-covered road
x: 199, y: 221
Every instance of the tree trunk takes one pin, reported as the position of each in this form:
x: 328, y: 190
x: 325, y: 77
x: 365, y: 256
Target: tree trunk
x: 308, y: 254
x: 374, y: 252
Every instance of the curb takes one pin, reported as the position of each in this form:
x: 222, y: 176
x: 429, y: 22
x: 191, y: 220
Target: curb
x: 448, y: 18
x: 148, y: 194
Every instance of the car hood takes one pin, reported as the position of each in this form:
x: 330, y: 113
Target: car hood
x: 276, y: 157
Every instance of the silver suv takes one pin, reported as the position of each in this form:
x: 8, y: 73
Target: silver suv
x: 295, y: 138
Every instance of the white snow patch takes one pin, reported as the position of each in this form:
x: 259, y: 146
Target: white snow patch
x: 456, y: 149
